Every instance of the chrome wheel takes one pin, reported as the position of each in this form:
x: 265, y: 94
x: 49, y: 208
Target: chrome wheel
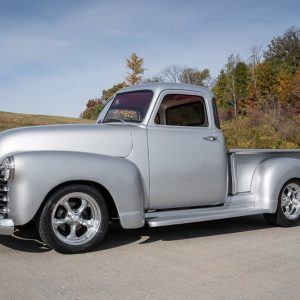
x: 290, y: 201
x: 76, y: 218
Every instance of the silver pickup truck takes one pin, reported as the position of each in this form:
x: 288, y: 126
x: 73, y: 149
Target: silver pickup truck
x: 155, y: 156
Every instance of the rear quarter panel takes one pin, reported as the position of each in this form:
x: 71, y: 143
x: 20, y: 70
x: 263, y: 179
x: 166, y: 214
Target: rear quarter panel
x: 269, y: 178
x: 263, y: 173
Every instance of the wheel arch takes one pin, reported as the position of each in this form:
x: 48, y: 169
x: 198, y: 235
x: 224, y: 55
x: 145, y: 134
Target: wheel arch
x: 269, y: 178
x: 112, y: 209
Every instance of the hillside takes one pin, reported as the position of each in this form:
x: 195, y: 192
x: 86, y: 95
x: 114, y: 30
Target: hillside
x: 243, y: 132
x: 13, y: 120
x: 258, y: 132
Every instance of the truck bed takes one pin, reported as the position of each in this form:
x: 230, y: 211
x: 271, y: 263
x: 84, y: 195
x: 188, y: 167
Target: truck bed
x: 243, y: 162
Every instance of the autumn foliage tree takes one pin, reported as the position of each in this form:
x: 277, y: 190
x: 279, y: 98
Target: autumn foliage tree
x: 136, y: 69
x: 296, y: 87
x: 107, y: 94
x: 93, y: 108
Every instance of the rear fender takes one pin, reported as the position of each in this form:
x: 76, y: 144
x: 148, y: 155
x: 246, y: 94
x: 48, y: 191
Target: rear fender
x: 269, y: 178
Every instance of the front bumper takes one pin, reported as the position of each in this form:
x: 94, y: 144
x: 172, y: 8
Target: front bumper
x: 7, y: 226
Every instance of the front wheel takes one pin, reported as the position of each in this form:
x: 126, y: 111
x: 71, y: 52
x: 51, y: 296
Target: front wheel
x: 74, y: 219
x: 288, y: 208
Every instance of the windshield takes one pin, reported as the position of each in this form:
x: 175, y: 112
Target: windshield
x: 129, y: 107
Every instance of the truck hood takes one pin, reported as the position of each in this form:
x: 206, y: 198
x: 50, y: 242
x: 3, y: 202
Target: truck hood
x: 107, y: 139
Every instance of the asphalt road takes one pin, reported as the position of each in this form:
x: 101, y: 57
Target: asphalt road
x: 241, y: 258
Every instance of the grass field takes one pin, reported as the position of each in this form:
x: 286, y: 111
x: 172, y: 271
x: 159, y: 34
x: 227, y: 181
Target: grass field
x: 244, y: 132
x: 13, y: 120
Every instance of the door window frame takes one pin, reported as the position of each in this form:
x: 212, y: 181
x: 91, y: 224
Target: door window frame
x: 152, y: 123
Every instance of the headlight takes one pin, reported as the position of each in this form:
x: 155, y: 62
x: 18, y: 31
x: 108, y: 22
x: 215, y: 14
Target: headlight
x: 7, y: 169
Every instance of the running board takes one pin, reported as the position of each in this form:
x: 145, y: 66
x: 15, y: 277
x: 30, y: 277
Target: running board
x: 165, y: 218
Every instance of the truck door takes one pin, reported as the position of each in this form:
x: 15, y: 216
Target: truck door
x: 187, y: 155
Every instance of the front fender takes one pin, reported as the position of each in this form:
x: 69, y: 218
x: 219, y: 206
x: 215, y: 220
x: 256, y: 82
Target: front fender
x: 37, y: 173
x: 269, y: 178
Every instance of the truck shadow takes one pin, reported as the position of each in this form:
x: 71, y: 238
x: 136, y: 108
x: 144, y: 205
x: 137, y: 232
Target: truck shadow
x: 27, y: 239
x: 118, y: 236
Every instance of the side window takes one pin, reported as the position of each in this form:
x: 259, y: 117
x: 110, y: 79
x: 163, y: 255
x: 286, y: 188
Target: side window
x: 182, y: 110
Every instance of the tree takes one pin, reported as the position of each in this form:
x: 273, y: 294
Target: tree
x: 296, y: 87
x: 153, y: 79
x: 255, y: 57
x: 232, y: 85
x: 171, y: 74
x: 242, y: 80
x: 107, y: 94
x: 194, y: 76
x: 254, y: 61
x: 92, y: 110
x: 285, y: 49
x: 180, y: 74
x: 284, y: 87
x: 135, y: 65
x: 238, y: 78
x: 267, y: 84
x: 220, y: 90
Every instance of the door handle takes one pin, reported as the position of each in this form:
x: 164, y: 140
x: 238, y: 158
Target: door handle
x: 210, y: 138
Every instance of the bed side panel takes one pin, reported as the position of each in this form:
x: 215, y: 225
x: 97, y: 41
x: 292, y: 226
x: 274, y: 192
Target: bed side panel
x: 244, y: 163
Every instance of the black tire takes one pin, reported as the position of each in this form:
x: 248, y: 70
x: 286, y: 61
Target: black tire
x: 54, y: 237
x: 279, y: 218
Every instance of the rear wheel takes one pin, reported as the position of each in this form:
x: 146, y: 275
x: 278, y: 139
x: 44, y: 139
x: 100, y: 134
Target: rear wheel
x: 288, y: 208
x: 74, y: 219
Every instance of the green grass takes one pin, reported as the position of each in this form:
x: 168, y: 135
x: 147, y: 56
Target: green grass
x: 13, y: 120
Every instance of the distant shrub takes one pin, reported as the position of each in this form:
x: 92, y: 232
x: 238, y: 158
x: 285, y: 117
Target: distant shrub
x: 257, y: 131
x: 93, y: 108
x: 226, y: 114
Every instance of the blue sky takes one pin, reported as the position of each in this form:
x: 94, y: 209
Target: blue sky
x: 55, y: 55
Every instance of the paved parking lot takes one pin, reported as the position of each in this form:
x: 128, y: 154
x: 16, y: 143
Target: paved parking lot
x: 240, y: 258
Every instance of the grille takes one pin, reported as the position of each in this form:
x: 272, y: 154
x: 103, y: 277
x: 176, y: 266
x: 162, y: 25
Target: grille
x: 3, y: 199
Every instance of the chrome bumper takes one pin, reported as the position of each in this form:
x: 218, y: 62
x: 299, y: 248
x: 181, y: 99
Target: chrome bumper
x: 7, y: 226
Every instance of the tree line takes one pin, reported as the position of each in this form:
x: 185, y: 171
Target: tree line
x: 267, y: 83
